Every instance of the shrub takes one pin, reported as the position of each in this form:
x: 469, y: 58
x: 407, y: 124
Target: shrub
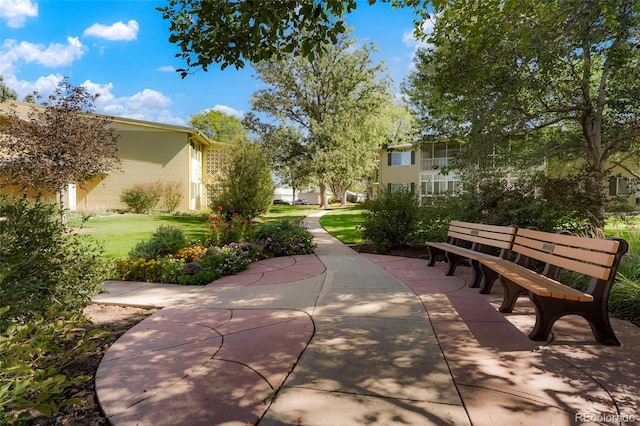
x: 165, y: 240
x: 172, y: 196
x: 142, y: 197
x: 392, y: 219
x: 284, y: 238
x: 227, y: 228
x: 33, y: 356
x: 43, y: 269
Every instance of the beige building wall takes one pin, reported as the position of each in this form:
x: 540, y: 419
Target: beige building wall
x: 147, y: 156
x: 402, y: 169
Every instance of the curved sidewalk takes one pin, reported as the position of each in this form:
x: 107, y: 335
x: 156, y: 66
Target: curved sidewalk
x: 349, y: 339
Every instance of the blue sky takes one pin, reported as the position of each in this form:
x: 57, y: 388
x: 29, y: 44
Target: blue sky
x: 120, y: 49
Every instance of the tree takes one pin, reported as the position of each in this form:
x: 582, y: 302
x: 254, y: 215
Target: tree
x: 228, y: 32
x: 500, y: 70
x: 218, y: 126
x: 288, y: 155
x: 331, y: 101
x: 247, y: 187
x: 6, y: 93
x: 57, y: 144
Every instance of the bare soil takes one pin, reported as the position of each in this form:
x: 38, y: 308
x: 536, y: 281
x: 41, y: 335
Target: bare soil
x: 116, y: 320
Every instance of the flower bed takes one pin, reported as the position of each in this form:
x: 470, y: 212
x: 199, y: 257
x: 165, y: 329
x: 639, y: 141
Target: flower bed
x: 168, y: 258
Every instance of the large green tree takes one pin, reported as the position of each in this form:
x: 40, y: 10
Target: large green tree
x: 334, y: 102
x: 219, y: 126
x: 57, y: 143
x: 230, y: 32
x: 498, y: 70
x: 247, y: 186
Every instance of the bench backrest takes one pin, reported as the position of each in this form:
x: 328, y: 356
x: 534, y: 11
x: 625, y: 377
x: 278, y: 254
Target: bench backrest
x: 597, y: 258
x: 480, y: 234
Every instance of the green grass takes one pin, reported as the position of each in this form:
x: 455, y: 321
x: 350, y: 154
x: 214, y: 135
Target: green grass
x: 627, y: 228
x: 279, y: 212
x: 119, y: 233
x: 343, y: 224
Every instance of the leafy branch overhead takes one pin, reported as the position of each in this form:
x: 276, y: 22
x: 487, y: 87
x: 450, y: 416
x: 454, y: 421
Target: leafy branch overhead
x: 230, y: 32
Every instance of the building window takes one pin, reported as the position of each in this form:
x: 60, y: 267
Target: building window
x: 624, y: 186
x: 438, y: 184
x: 397, y: 187
x: 401, y: 158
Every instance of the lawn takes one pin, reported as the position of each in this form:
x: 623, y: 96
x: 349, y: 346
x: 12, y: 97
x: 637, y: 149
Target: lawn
x: 119, y: 233
x: 343, y: 224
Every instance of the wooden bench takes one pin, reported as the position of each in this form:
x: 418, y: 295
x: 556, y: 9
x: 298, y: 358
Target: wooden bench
x: 476, y: 237
x: 595, y: 258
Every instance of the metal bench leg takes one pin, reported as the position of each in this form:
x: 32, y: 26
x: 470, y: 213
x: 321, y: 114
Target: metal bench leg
x: 453, y: 260
x: 489, y: 276
x: 549, y: 310
x: 433, y: 254
x: 511, y: 293
x: 477, y: 274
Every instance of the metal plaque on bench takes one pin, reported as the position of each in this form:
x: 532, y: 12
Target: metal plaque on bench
x: 548, y: 247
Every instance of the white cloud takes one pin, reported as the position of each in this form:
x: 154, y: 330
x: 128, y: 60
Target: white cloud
x: 409, y: 39
x: 166, y: 68
x: 52, y: 56
x: 115, y: 32
x: 16, y: 12
x: 44, y: 85
x: 148, y: 105
x: 229, y: 111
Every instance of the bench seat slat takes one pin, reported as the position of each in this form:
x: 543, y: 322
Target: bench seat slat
x: 609, y: 246
x: 498, y: 229
x: 596, y: 271
x: 490, y: 235
x: 461, y: 251
x: 481, y: 240
x: 536, y: 283
x: 596, y: 257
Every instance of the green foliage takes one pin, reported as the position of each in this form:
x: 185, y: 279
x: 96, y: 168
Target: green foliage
x: 44, y: 269
x: 544, y: 203
x: 624, y: 301
x: 247, y: 187
x: 142, y: 197
x: 392, y: 219
x: 166, y: 240
x: 224, y: 230
x: 329, y: 118
x: 284, y: 238
x: 32, y: 357
x: 570, y: 72
x: 218, y: 126
x: 229, y: 32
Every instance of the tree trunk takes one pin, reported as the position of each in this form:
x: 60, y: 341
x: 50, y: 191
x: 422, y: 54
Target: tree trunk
x: 323, y: 195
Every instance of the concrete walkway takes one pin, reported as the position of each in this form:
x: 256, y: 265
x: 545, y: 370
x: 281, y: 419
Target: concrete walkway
x: 339, y: 338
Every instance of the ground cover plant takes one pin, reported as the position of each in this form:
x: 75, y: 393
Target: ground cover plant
x: 231, y: 242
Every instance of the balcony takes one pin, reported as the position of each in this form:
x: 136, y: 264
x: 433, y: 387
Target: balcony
x: 434, y: 163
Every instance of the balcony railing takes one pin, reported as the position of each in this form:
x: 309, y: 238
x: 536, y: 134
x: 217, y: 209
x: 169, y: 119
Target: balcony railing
x: 434, y: 163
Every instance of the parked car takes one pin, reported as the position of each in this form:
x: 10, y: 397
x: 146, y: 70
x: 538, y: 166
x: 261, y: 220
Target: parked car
x: 301, y: 202
x: 282, y: 202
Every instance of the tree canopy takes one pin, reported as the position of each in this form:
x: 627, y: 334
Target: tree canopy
x: 498, y: 70
x: 230, y: 32
x: 219, y: 126
x: 58, y: 143
x: 335, y: 102
x: 6, y: 93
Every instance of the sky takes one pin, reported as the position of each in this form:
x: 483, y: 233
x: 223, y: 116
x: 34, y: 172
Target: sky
x: 120, y: 49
